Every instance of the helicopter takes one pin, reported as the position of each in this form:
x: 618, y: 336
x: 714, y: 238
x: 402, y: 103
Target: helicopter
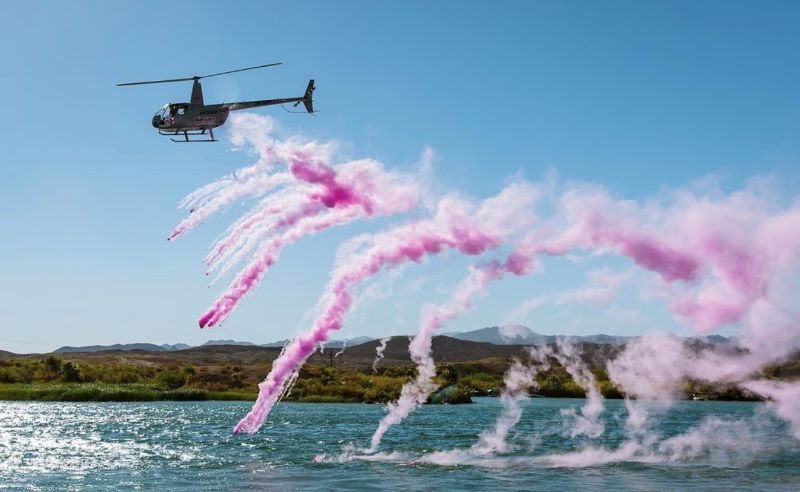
x: 196, y: 118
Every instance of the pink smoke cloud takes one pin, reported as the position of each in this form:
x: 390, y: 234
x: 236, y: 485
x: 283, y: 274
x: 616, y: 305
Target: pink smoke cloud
x: 313, y: 196
x: 730, y: 246
x: 722, y: 258
x: 587, y: 232
x: 457, y: 225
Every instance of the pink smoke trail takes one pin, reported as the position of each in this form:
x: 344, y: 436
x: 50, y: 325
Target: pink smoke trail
x: 225, y: 194
x: 733, y: 245
x: 457, y: 225
x: 731, y: 250
x: 255, y: 132
x: 647, y: 252
x: 586, y: 228
x: 359, y: 190
x: 312, y: 196
x: 723, y: 258
x: 249, y: 277
x: 345, y: 205
x: 271, y: 217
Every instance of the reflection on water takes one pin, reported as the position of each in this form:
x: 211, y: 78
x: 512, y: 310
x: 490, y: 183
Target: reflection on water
x: 172, y: 445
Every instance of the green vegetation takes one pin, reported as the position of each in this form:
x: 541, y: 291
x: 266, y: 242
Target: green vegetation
x: 59, y: 379
x: 55, y: 379
x: 481, y: 380
x: 451, y: 394
x: 316, y: 384
x: 109, y: 392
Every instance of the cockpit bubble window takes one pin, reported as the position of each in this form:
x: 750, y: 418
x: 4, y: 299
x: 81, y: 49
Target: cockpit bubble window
x: 177, y: 109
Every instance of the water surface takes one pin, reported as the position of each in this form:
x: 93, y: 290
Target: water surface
x: 180, y: 445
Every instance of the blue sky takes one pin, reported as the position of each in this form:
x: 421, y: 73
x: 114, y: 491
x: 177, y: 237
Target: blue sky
x: 637, y: 96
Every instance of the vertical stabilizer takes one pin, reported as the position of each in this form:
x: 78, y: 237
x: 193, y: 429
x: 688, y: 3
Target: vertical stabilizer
x: 308, y: 101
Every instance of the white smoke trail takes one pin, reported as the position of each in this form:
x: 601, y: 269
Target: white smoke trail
x: 588, y: 421
x: 517, y: 380
x: 724, y: 258
x: 341, y: 350
x: 714, y: 441
x: 382, y: 343
x: 417, y: 391
x: 784, y: 399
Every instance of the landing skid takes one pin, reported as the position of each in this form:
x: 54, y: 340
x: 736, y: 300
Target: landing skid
x: 187, y: 133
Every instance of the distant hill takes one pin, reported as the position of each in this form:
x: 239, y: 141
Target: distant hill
x: 337, y: 344
x: 506, y: 335
x: 717, y: 339
x: 521, y: 335
x: 495, y: 335
x: 227, y: 342
x: 489, y: 356
x: 445, y: 349
x: 350, y: 342
x: 175, y: 346
x: 172, y: 347
x: 278, y: 344
x: 361, y: 356
x: 149, y: 347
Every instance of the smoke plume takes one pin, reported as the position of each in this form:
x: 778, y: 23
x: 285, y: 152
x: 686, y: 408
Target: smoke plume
x: 717, y: 259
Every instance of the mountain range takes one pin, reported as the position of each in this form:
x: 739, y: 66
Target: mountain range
x: 497, y: 335
x: 171, y: 347
x: 522, y: 335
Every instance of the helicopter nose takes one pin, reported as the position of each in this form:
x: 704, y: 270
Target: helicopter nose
x: 156, y: 121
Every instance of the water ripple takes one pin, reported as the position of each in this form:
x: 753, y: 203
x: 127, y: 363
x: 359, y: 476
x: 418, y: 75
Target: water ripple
x: 179, y: 445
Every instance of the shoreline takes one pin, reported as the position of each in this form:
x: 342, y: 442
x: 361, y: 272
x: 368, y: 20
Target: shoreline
x: 214, y: 376
x: 100, y: 392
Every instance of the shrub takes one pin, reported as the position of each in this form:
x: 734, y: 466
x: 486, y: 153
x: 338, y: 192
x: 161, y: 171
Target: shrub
x: 70, y: 372
x: 172, y: 378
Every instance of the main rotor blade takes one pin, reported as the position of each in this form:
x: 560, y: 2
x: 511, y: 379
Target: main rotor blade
x: 156, y: 81
x: 197, y: 77
x: 240, y: 70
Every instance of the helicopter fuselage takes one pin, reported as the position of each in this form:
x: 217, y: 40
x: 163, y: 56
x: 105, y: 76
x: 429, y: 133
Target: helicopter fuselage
x: 190, y: 117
